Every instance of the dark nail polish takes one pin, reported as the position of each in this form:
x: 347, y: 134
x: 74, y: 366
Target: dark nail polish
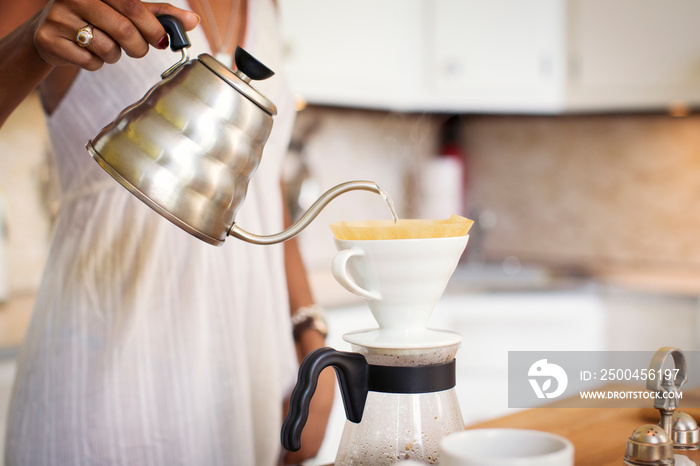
x: 163, y: 43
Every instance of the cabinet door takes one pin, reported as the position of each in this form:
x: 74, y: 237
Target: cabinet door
x: 362, y: 53
x: 633, y: 54
x: 496, y: 55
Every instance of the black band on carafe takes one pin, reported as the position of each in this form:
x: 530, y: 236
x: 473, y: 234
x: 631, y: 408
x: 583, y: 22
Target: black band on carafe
x: 412, y: 379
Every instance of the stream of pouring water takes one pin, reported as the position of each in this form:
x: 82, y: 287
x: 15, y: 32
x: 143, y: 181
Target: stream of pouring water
x: 390, y: 203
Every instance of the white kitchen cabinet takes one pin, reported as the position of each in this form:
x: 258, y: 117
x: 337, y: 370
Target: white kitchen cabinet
x: 633, y: 54
x: 494, y: 56
x: 358, y: 53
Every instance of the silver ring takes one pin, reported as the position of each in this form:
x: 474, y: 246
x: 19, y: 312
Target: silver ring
x: 84, y: 36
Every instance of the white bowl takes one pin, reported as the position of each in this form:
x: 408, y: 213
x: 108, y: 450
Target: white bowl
x: 505, y: 447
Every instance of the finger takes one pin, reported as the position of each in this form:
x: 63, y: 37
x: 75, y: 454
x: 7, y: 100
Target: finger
x: 104, y: 47
x: 67, y: 51
x: 141, y: 19
x: 189, y: 19
x: 55, y: 41
x: 120, y: 27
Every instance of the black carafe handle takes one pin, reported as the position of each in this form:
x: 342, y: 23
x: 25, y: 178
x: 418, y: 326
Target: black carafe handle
x: 352, y: 371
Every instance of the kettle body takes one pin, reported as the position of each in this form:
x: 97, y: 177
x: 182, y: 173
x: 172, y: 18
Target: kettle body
x: 189, y: 147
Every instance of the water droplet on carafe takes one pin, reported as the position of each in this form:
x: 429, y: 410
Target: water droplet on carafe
x: 390, y: 204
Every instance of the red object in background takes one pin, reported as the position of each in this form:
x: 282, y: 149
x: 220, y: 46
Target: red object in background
x: 451, y: 146
x: 443, y: 177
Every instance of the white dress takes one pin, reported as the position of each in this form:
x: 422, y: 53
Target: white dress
x: 148, y: 346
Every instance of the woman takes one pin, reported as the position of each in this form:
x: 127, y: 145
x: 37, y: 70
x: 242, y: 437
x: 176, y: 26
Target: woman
x: 148, y: 346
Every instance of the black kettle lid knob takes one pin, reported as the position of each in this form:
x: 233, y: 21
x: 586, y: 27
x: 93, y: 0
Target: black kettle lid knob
x: 250, y: 66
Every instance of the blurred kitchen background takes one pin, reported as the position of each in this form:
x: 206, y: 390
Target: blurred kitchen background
x: 567, y: 129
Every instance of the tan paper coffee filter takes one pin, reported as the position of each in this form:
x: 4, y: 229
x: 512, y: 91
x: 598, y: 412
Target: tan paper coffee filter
x: 403, y: 229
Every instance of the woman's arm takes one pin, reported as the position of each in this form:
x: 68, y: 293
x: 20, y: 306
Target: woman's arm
x: 21, y: 67
x: 47, y: 39
x: 320, y: 408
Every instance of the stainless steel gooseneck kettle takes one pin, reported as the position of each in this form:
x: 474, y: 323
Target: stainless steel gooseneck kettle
x: 190, y: 146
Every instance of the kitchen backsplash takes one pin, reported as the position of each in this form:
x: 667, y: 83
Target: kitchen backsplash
x: 576, y: 191
x: 588, y: 190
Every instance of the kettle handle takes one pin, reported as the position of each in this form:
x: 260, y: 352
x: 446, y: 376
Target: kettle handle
x: 352, y: 371
x: 176, y: 32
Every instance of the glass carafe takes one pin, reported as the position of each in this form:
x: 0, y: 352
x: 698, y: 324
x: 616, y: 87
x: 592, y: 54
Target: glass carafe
x: 402, y: 426
x: 399, y: 403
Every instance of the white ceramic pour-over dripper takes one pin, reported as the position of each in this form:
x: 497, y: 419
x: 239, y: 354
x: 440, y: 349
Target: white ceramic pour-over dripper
x: 402, y: 281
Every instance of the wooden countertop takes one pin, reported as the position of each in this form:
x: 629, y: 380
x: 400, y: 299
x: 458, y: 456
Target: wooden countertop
x: 599, y: 435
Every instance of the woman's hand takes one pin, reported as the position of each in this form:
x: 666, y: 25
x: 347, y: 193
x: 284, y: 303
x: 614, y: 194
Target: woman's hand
x: 127, y: 25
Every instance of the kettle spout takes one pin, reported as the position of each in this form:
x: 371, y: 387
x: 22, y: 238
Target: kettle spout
x: 309, y: 215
